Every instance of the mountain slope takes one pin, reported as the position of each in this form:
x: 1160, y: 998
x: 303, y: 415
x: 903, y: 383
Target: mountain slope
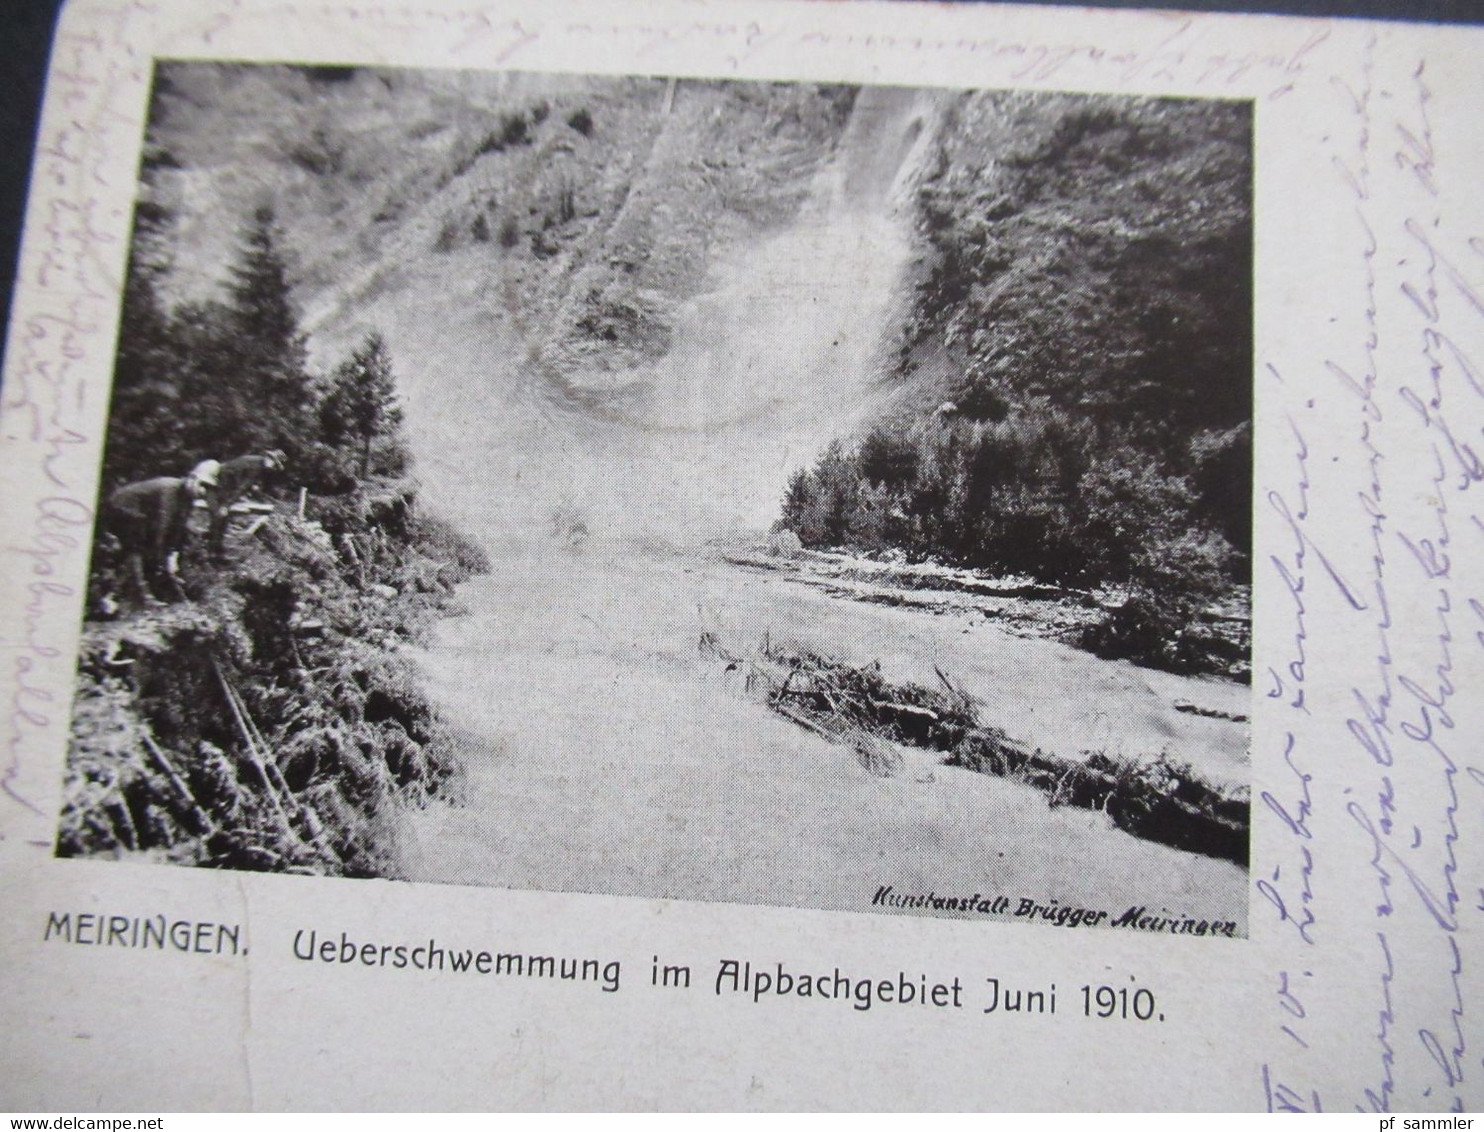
x: 591, y: 270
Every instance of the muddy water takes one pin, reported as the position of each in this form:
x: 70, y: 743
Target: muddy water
x: 607, y: 755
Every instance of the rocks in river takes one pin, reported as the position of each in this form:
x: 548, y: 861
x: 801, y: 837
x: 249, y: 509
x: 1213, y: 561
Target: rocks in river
x: 783, y: 543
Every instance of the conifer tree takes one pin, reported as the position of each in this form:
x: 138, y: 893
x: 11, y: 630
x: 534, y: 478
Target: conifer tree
x: 361, y: 410
x: 270, y: 388
x: 144, y: 431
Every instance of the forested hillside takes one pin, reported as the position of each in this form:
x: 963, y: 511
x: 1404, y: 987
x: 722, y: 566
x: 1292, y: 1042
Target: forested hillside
x: 240, y: 701
x: 1074, y: 380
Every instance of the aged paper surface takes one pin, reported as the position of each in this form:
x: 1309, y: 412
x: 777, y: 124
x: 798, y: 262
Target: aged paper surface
x: 767, y: 621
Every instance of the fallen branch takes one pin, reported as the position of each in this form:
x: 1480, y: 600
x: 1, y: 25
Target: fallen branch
x: 254, y: 753
x: 804, y: 721
x: 204, y: 826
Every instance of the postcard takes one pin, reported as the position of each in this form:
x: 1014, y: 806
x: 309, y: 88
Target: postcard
x: 744, y: 555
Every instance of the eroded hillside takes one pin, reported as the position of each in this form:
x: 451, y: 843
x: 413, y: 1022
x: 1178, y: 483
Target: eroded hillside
x: 599, y: 203
x: 570, y: 271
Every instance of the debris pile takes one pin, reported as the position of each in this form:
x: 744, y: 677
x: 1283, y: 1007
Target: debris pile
x: 1158, y: 799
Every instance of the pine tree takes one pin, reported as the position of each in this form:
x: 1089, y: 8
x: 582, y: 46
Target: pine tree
x: 271, y: 387
x: 144, y: 431
x: 361, y: 410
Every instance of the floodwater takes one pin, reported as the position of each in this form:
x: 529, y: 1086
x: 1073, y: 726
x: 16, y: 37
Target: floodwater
x: 606, y: 754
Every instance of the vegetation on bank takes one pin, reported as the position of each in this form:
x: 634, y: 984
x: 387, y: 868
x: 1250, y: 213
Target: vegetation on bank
x: 1073, y: 398
x: 263, y: 718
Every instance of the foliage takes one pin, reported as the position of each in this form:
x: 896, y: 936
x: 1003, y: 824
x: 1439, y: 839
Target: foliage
x: 1097, y: 250
x: 186, y: 378
x: 265, y: 721
x: 1076, y: 370
x: 360, y: 411
x: 147, y: 377
x: 269, y: 723
x: 269, y: 393
x: 236, y: 367
x: 1174, y: 577
x: 441, y: 540
x: 581, y: 120
x: 1046, y: 497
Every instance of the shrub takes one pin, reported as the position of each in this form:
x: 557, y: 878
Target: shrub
x: 1174, y: 580
x: 581, y: 121
x: 442, y: 541
x: 448, y: 236
x: 514, y: 130
x: 1042, y: 495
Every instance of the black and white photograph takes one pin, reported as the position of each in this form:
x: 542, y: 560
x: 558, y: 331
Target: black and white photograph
x: 832, y: 497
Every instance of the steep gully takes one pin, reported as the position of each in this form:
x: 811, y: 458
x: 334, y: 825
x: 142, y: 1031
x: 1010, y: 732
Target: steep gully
x: 604, y: 754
